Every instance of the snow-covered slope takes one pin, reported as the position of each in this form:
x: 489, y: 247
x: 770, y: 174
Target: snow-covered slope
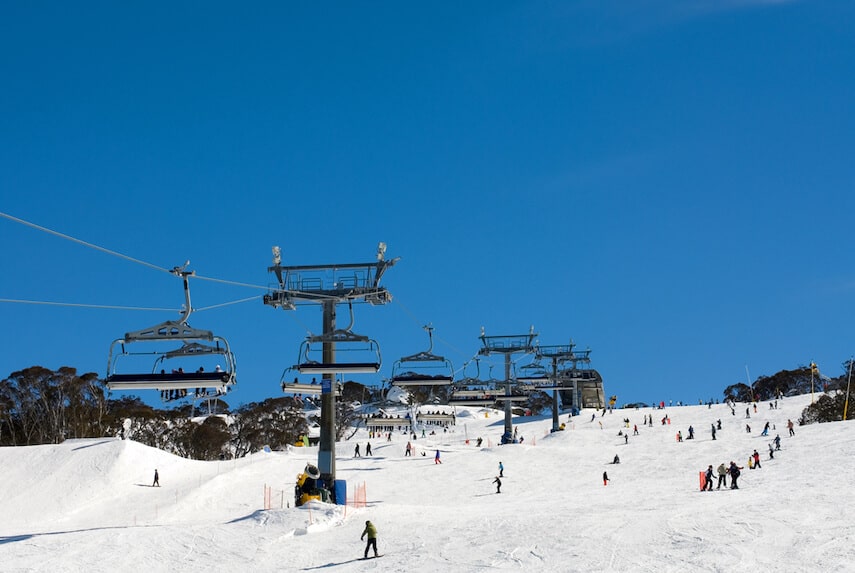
x: 88, y: 505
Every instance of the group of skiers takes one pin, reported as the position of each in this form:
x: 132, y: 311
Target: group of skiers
x: 356, y: 453
x: 723, y: 471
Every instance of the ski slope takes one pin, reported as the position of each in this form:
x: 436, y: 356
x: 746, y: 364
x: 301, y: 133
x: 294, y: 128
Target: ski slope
x: 88, y: 505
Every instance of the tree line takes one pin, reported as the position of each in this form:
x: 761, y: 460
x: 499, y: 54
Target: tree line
x: 829, y: 406
x: 43, y: 406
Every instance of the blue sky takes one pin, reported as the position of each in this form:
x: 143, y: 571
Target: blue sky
x: 665, y: 182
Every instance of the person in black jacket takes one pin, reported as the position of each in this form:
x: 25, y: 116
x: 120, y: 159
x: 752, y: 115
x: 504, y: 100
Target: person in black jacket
x: 734, y: 475
x: 708, y: 478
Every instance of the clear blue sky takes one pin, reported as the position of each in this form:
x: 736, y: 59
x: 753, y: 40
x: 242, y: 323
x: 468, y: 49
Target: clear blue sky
x: 665, y: 182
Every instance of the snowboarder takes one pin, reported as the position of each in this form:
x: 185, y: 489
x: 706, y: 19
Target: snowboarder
x: 722, y: 475
x: 605, y: 478
x: 356, y: 452
x: 691, y: 433
x: 790, y: 428
x: 371, y: 532
x: 718, y: 424
x: 734, y: 475
x: 756, y: 460
x: 156, y: 479
x: 712, y: 427
x: 765, y: 431
x: 498, y: 483
x: 501, y: 470
x: 777, y: 442
x: 368, y: 449
x: 616, y: 460
x: 708, y: 478
x: 436, y: 459
x: 679, y: 436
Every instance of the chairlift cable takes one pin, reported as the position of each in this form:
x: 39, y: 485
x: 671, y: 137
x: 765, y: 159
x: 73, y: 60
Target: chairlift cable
x: 235, y: 283
x: 421, y: 324
x: 81, y: 242
x: 120, y: 255
x: 80, y: 305
x: 227, y: 303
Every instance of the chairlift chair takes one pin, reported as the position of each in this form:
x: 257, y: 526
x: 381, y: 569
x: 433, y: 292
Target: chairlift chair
x: 465, y: 394
x: 153, y: 342
x: 423, y: 368
x: 291, y: 383
x: 365, y: 352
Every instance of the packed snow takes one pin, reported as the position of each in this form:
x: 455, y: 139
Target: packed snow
x: 89, y: 505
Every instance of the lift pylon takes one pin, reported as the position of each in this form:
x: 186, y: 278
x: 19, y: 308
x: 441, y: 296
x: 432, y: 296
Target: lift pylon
x: 330, y: 285
x: 507, y: 345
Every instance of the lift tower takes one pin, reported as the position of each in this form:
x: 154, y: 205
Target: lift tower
x: 330, y: 285
x: 507, y: 345
x: 557, y: 354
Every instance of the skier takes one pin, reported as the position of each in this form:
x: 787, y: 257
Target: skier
x: 498, y: 483
x: 679, y: 436
x: 501, y: 471
x: 718, y: 424
x: 368, y: 449
x: 777, y: 442
x: 722, y: 475
x: 790, y: 428
x: 756, y: 460
x: 712, y: 427
x: 708, y: 477
x: 734, y: 475
x: 356, y: 452
x: 771, y: 452
x: 156, y: 479
x: 691, y: 433
x: 371, y: 532
x: 436, y: 459
x: 409, y: 450
x: 606, y: 478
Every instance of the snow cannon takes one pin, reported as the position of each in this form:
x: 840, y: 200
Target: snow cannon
x: 307, y: 485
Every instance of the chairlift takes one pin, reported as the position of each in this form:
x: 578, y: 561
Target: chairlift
x: 364, y: 354
x: 534, y: 376
x: 470, y: 397
x: 472, y: 391
x: 292, y: 383
x: 423, y: 369
x: 167, y: 371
